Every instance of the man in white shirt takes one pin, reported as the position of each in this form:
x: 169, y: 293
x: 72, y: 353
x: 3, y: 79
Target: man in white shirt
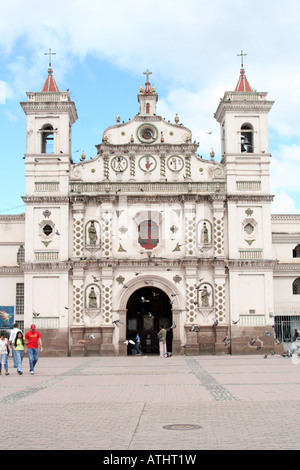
x: 11, y: 340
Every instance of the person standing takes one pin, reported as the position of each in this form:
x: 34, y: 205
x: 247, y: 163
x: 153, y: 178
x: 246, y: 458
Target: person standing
x: 19, y: 348
x: 162, y: 336
x: 11, y: 340
x: 137, y: 346
x: 4, y: 351
x: 33, y: 339
x: 295, y: 335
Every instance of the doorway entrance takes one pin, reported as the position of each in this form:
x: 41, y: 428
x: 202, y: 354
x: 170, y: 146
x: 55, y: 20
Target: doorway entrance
x: 148, y: 308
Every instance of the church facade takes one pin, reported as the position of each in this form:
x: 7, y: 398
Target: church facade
x: 148, y: 233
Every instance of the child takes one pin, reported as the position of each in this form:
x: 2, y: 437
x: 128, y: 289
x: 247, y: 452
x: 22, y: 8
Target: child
x: 4, y: 351
x: 19, y: 348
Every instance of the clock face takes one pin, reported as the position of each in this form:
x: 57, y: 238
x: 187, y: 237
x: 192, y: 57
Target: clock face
x: 147, y: 133
x: 119, y: 163
x: 175, y: 163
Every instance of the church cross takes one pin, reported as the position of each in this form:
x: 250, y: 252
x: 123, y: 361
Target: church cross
x: 50, y: 54
x: 242, y: 58
x: 147, y: 73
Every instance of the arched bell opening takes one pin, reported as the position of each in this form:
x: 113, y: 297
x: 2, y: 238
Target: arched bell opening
x: 148, y: 308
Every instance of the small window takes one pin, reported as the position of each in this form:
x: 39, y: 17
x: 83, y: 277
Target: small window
x: 47, y: 139
x: 296, y: 286
x: 20, y: 299
x: 296, y: 252
x: 148, y: 234
x: 148, y: 108
x: 249, y: 228
x: 21, y: 255
x: 47, y: 229
x: 246, y: 138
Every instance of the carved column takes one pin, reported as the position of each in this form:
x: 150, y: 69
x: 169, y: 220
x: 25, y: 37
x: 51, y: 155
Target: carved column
x: 218, y: 206
x: 190, y: 228
x: 107, y: 328
x: 106, y: 229
x: 78, y: 228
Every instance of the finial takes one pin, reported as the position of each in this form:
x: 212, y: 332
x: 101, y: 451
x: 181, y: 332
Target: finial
x: 147, y: 73
x: 83, y: 156
x: 176, y: 119
x: 242, y: 58
x: 212, y: 154
x: 118, y: 119
x: 50, y: 54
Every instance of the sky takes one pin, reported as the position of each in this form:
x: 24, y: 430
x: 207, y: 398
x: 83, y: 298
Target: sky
x: 102, y: 48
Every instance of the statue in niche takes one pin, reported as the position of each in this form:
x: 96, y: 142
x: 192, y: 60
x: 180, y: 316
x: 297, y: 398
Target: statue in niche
x: 205, y: 297
x: 204, y: 234
x: 93, y: 237
x: 93, y: 299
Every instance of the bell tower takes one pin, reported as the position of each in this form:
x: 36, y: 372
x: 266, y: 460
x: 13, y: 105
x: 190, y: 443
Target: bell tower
x: 50, y: 115
x: 243, y: 118
x: 147, y: 98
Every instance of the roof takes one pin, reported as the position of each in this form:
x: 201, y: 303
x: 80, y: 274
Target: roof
x: 50, y: 84
x: 243, y: 85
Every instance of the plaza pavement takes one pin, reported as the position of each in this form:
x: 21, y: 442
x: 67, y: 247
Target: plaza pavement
x: 180, y: 403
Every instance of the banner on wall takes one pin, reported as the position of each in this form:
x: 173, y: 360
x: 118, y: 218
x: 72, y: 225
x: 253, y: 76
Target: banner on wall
x: 7, y: 317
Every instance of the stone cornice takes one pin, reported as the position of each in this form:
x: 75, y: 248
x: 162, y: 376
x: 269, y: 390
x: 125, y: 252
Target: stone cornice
x: 11, y: 271
x: 285, y: 217
x: 145, y: 199
x: 288, y: 268
x: 237, y: 264
x: 46, y: 199
x: 247, y: 199
x: 139, y: 149
x: 13, y: 218
x: 46, y: 266
x: 286, y: 237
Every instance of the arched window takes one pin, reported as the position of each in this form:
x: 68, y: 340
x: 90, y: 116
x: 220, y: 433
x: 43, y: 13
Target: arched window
x: 148, y: 234
x: 21, y: 255
x: 246, y: 138
x: 296, y: 252
x: 296, y: 286
x: 47, y: 139
x: 147, y: 108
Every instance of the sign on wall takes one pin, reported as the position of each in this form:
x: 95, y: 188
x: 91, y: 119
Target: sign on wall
x: 7, y: 317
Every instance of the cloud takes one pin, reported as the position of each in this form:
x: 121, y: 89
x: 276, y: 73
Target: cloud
x: 5, y: 92
x: 284, y: 204
x: 191, y: 48
x: 285, y: 168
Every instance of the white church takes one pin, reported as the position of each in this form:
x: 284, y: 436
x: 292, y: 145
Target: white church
x: 148, y: 233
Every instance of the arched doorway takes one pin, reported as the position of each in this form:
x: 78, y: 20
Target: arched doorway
x: 148, y: 308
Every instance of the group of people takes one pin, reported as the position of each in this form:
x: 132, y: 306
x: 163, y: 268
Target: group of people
x: 18, y: 345
x: 162, y: 337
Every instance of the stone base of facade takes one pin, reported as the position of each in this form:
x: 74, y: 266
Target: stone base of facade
x: 264, y: 344
x: 101, y: 344
x: 55, y: 342
x: 208, y: 341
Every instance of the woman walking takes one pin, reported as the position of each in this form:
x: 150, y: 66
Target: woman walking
x: 4, y: 351
x: 19, y: 348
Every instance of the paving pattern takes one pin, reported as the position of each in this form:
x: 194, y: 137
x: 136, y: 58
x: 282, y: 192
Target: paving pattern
x: 181, y: 403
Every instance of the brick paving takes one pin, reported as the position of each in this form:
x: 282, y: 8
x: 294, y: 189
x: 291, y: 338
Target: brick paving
x: 123, y: 403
